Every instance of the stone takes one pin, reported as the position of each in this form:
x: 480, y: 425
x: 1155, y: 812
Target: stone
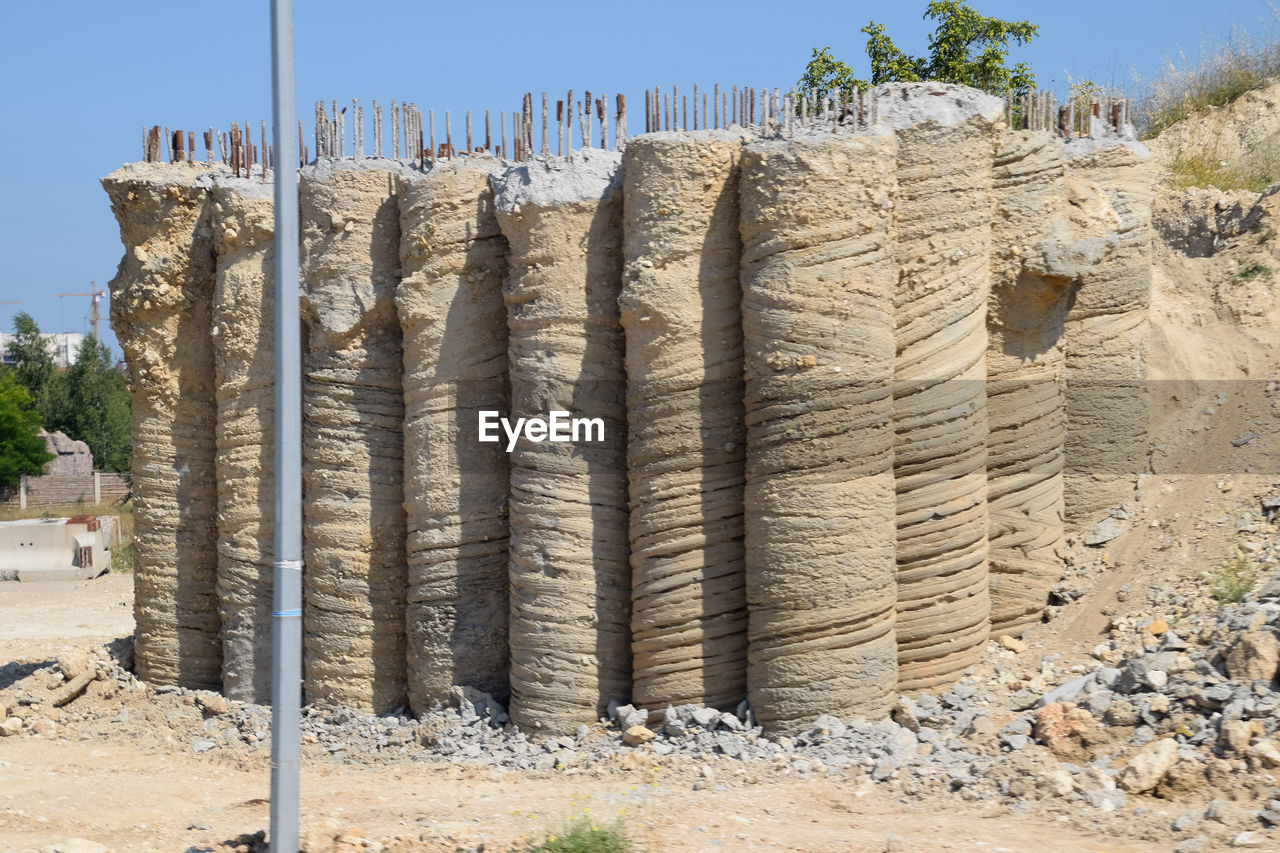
x: 1266, y: 753
x: 731, y: 722
x: 1013, y: 644
x: 202, y: 746
x: 882, y: 769
x: 1249, y: 838
x: 906, y: 714
x: 982, y: 727
x: 1122, y: 713
x: 1185, y: 821
x: 1223, y: 812
x: 637, y: 735
x: 1158, y: 627
x: 73, y: 662
x: 11, y: 727
x: 1186, y: 776
x: 828, y: 726
x: 212, y: 704
x: 1136, y: 675
x: 1015, y: 742
x: 1067, y: 692
x: 1148, y: 766
x: 1106, y: 530
x: 1067, y: 730
x: 634, y: 717
x: 1235, y: 735
x: 1099, y: 789
x: 1254, y: 656
x: 1056, y: 782
x: 1195, y: 844
x: 706, y: 717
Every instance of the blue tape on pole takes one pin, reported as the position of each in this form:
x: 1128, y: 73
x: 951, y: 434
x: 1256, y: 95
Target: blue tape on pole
x: 286, y: 613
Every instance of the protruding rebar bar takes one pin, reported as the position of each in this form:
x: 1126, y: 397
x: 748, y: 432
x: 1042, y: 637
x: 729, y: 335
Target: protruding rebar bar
x: 395, y: 131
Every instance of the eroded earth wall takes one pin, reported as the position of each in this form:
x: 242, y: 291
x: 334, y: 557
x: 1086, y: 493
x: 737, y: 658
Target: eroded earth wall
x: 810, y: 382
x: 1106, y: 336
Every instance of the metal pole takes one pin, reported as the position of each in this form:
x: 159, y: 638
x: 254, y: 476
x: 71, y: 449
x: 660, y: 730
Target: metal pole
x: 286, y: 610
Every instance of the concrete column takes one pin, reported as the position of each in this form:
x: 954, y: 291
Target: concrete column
x: 570, y: 584
x: 686, y: 436
x: 818, y: 277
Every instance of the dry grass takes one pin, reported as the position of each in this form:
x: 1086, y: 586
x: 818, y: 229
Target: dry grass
x: 1219, y: 76
x: 1206, y: 168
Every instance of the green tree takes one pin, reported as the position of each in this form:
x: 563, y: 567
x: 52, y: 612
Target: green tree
x: 966, y: 48
x: 97, y: 408
x: 21, y: 450
x: 34, y: 369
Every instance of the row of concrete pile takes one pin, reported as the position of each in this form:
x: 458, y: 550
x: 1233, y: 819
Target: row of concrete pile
x: 832, y: 371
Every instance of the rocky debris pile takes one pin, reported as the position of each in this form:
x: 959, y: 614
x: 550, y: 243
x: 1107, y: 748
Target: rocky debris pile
x: 1170, y: 729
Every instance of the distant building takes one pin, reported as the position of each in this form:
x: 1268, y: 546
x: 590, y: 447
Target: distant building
x: 63, y: 346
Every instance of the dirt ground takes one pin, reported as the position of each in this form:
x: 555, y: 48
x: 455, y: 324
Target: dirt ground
x: 113, y: 791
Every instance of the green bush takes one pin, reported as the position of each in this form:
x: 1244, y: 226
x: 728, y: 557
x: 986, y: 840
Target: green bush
x: 1233, y: 580
x: 965, y: 48
x: 122, y: 558
x: 584, y: 836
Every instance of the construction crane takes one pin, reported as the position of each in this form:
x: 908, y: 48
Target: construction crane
x: 94, y: 294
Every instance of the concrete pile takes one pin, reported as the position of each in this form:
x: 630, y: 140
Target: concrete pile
x: 796, y: 484
x: 570, y: 584
x: 686, y: 436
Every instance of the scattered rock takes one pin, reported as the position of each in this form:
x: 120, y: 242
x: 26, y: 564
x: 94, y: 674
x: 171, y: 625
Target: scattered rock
x: 1013, y: 644
x: 1106, y: 530
x: 11, y: 727
x: 73, y: 662
x: 1255, y: 655
x: 1148, y: 766
x: 1266, y: 753
x: 636, y: 735
x: 1067, y: 730
x: 213, y: 704
x: 1249, y: 838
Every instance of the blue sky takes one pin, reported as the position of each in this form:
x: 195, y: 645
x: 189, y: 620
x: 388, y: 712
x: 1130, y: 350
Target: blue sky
x: 81, y: 80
